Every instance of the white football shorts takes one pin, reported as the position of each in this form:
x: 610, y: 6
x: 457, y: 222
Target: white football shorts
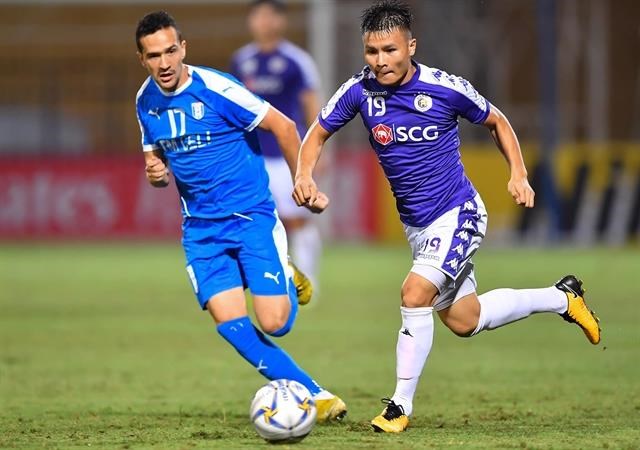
x: 442, y: 251
x: 281, y: 188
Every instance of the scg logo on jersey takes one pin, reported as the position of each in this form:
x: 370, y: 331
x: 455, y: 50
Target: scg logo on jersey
x: 384, y: 135
x: 417, y: 134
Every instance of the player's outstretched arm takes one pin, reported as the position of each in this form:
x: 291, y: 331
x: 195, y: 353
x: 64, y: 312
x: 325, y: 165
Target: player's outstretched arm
x: 305, y: 191
x: 507, y: 141
x: 156, y: 169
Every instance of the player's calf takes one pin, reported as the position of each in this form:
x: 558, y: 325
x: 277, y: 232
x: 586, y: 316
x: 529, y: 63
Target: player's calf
x: 462, y: 329
x: 463, y: 316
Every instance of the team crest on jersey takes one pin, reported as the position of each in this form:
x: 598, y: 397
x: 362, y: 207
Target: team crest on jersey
x: 422, y: 102
x: 249, y: 66
x: 382, y: 134
x: 197, y: 110
x: 276, y: 64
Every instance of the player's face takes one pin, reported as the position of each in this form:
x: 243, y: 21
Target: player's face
x: 266, y: 23
x: 162, y: 55
x: 388, y: 54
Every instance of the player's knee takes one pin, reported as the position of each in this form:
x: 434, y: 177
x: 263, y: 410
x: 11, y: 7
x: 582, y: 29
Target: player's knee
x: 279, y: 328
x: 280, y: 331
x: 272, y: 324
x: 414, y: 297
x: 275, y: 324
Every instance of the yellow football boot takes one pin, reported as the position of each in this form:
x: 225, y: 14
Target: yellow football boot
x: 577, y: 310
x: 392, y: 419
x: 303, y: 285
x: 330, y: 409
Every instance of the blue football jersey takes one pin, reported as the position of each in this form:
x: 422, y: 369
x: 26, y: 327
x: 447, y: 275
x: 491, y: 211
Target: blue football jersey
x: 413, y: 129
x: 206, y: 129
x: 280, y: 77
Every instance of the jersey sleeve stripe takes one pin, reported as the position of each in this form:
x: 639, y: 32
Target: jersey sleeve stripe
x: 454, y: 83
x: 259, y: 116
x: 142, y: 88
x: 484, y: 116
x: 234, y: 92
x: 149, y: 147
x: 146, y: 147
x: 333, y: 101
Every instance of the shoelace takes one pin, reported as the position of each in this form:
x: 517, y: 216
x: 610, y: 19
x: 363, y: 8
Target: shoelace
x: 392, y: 410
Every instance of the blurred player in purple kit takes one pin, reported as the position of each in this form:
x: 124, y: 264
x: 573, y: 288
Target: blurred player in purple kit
x: 285, y: 76
x: 411, y: 112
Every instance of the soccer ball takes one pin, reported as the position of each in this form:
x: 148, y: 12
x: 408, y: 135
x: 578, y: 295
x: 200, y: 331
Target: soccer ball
x: 283, y: 411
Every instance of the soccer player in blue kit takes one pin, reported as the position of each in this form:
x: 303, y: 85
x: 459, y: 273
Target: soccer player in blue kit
x: 411, y: 112
x: 286, y: 76
x: 202, y: 124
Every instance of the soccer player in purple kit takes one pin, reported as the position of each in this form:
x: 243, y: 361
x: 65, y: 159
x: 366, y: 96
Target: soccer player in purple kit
x: 411, y: 112
x: 286, y: 76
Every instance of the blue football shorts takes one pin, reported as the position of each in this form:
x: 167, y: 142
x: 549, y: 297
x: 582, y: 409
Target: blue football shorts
x: 247, y: 250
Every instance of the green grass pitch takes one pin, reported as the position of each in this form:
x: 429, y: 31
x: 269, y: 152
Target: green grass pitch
x: 104, y: 346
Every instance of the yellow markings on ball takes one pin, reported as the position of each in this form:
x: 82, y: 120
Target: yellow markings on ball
x: 268, y: 413
x: 305, y: 405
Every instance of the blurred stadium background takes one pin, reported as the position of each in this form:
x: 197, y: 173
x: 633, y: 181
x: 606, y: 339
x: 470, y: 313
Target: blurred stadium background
x: 566, y: 72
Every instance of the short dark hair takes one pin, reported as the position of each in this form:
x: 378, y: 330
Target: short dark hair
x: 278, y: 5
x: 152, y: 22
x: 386, y: 15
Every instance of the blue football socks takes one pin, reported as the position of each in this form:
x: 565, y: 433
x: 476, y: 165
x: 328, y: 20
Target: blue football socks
x: 270, y: 360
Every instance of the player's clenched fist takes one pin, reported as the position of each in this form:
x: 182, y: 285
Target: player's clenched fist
x: 157, y: 172
x: 319, y: 204
x: 305, y: 193
x: 521, y: 191
x: 304, y: 190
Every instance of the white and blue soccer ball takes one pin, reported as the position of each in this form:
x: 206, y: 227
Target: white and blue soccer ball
x: 283, y: 411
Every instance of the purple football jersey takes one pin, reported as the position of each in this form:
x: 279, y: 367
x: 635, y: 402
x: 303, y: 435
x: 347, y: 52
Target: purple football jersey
x: 280, y: 77
x: 413, y: 129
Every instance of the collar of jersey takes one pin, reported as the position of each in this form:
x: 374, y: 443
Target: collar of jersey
x: 181, y: 88
x: 407, y: 85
